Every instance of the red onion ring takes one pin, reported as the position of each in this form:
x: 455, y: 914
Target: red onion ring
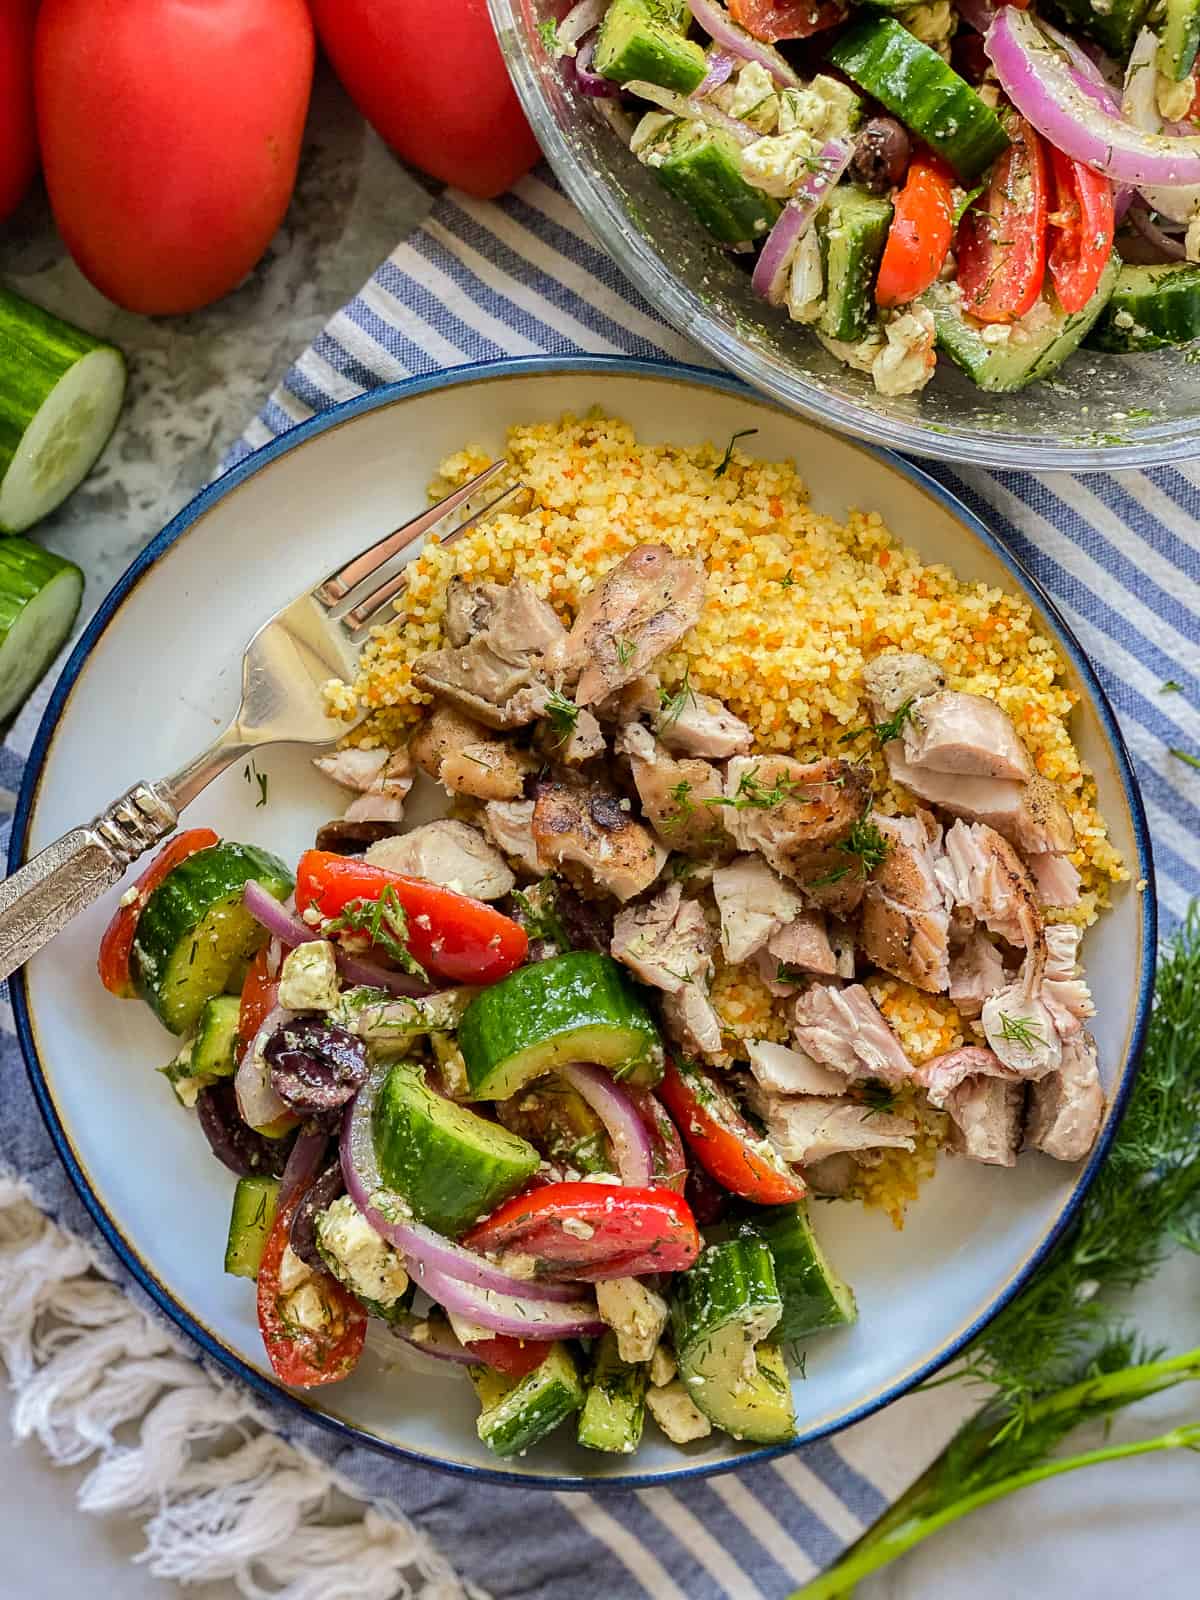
x: 977, y: 14
x: 519, y: 1315
x: 1139, y: 105
x: 581, y: 19
x: 304, y: 1160
x: 771, y: 268
x: 586, y: 81
x: 694, y: 110
x: 1170, y: 249
x: 670, y: 1168
x: 258, y: 1104
x: 630, y: 1141
x: 442, y: 1344
x: 292, y: 930
x: 727, y: 35
x: 720, y: 70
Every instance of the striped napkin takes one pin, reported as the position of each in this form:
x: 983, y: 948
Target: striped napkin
x: 1120, y: 554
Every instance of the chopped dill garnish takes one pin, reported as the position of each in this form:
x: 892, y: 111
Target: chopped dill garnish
x: 787, y: 580
x: 885, y: 732
x: 624, y: 648
x: 785, y: 973
x: 562, y: 715
x: 541, y: 920
x: 1021, y: 1030
x: 384, y: 922
x: 1186, y: 757
x: 1171, y: 687
x: 728, y: 456
x: 683, y: 805
x: 672, y: 704
x: 751, y: 791
x: 252, y: 775
x: 867, y: 843
x: 877, y: 1097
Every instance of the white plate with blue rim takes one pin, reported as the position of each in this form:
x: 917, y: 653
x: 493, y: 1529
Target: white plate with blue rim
x: 157, y: 673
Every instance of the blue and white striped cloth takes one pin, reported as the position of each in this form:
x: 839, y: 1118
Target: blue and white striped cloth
x: 1120, y: 553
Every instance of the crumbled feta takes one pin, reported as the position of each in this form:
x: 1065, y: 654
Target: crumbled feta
x: 1174, y: 99
x: 308, y: 979
x: 635, y: 1314
x: 468, y: 1332
x: 662, y: 1366
x: 906, y: 362
x: 292, y: 1271
x: 673, y: 1408
x: 806, y: 282
x: 779, y: 165
x: 826, y: 108
x: 996, y: 333
x: 307, y: 1308
x: 860, y: 356
x: 366, y: 1263
x: 1123, y: 319
x: 750, y: 96
x: 649, y: 130
x: 932, y: 23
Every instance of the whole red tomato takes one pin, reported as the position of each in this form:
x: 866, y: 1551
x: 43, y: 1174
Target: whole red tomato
x: 18, y: 136
x: 429, y: 78
x: 170, y: 133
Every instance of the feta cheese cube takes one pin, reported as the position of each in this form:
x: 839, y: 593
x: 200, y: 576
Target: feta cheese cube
x: 308, y: 980
x: 635, y: 1314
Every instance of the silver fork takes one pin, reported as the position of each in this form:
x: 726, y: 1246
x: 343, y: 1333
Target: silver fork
x: 285, y: 665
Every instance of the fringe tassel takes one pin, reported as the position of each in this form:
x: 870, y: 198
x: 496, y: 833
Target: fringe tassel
x: 222, y: 1497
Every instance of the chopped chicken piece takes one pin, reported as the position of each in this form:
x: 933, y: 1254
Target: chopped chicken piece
x: 590, y: 827
x: 665, y: 941
x: 966, y: 734
x: 833, y: 1177
x: 469, y: 608
x: 1066, y: 1107
x: 449, y: 853
x: 381, y: 779
x: 1019, y: 1025
x: 803, y: 945
x: 797, y: 816
x: 976, y: 971
x: 673, y: 793
x: 842, y: 942
x: 844, y: 1029
x: 639, y: 700
x: 689, y: 1018
x: 1057, y: 879
x: 1064, y: 991
x: 500, y: 675
x: 584, y: 742
x: 1029, y: 815
x: 896, y: 678
x: 509, y: 825
x: 811, y: 1128
x: 634, y: 615
x: 905, y: 925
x: 699, y: 725
x: 984, y: 1100
x: 783, y: 1071
x: 1062, y: 949
x: 466, y: 758
x: 352, y: 768
x: 994, y: 882
x: 754, y: 904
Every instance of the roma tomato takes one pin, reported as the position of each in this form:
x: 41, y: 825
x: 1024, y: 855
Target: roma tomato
x: 431, y: 81
x: 919, y: 238
x: 721, y: 1139
x: 306, y: 1354
x: 1081, y: 230
x: 170, y: 133
x: 1001, y: 245
x: 594, y: 1230
x: 18, y: 137
x: 786, y: 19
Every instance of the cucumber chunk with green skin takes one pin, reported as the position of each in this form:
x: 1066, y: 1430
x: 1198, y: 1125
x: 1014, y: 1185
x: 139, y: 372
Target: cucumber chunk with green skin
x: 214, y: 1051
x: 635, y: 44
x: 1150, y: 308
x: 254, y: 1204
x: 916, y: 85
x: 813, y: 1295
x: 60, y: 394
x: 615, y: 1408
x: 1179, y: 39
x: 449, y: 1165
x: 699, y: 166
x: 1026, y: 355
x: 195, y: 937
x: 518, y: 1414
x: 853, y: 230
x: 39, y: 601
x: 1114, y: 24
x: 575, y: 1007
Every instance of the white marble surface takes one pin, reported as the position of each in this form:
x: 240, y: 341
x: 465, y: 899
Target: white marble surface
x: 194, y: 383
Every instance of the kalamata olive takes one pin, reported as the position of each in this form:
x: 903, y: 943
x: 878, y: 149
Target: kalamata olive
x: 238, y: 1147
x: 321, y: 1193
x: 881, y: 154
x: 352, y: 838
x: 315, y: 1066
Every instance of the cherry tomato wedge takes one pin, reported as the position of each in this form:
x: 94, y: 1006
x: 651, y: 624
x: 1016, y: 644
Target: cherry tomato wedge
x: 594, y: 1230
x: 721, y: 1139
x: 786, y: 19
x: 517, y: 1357
x: 451, y: 935
x: 298, y: 1355
x: 116, y: 945
x: 1001, y: 244
x: 918, y: 240
x: 670, y: 1163
x: 260, y: 996
x: 1081, y: 230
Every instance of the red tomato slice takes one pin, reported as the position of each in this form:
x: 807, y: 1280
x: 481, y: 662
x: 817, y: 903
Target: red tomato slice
x: 919, y: 238
x: 721, y: 1139
x: 1081, y: 230
x: 594, y: 1230
x: 451, y: 935
x: 18, y: 137
x: 260, y: 996
x: 1001, y: 245
x: 517, y: 1357
x: 770, y: 20
x: 670, y: 1163
x: 299, y: 1357
x: 116, y: 945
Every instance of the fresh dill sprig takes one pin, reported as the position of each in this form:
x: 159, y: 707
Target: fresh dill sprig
x: 672, y: 704
x: 624, y: 649
x: 684, y: 806
x: 1185, y: 756
x: 867, y: 843
x: 751, y: 791
x: 252, y: 775
x: 728, y: 456
x: 885, y: 732
x: 1021, y: 1030
x: 541, y: 919
x: 562, y: 715
x: 384, y: 922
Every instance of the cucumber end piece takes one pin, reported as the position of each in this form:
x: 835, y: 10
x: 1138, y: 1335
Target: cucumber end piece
x: 40, y: 594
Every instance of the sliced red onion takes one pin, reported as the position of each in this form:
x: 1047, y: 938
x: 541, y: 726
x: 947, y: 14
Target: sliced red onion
x: 258, y: 1104
x: 1139, y: 104
x: 630, y: 1141
x: 720, y: 70
x: 581, y: 19
x: 292, y: 930
x: 771, y: 268
x: 1170, y: 249
x: 356, y: 969
x: 727, y: 35
x: 518, y: 1315
x: 1052, y: 93
x: 669, y: 1162
x: 436, y: 1340
x: 418, y: 1243
x: 588, y: 82
x: 693, y: 110
x: 302, y: 1164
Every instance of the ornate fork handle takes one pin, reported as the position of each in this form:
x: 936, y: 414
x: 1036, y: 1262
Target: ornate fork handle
x: 46, y: 893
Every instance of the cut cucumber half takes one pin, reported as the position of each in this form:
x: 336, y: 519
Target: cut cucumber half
x: 634, y: 44
x: 699, y: 165
x: 1150, y: 308
x: 813, y: 1295
x: 615, y: 1408
x: 518, y: 1414
x: 60, y: 394
x: 1115, y: 24
x: 39, y: 601
x: 853, y: 230
x: 576, y: 1007
x: 254, y: 1204
x: 1179, y: 39
x: 915, y: 84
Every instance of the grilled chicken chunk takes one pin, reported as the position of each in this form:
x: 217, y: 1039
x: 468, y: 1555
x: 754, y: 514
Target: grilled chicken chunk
x: 589, y: 827
x: 781, y: 1071
x: 466, y: 758
x: 1056, y: 878
x: 1018, y: 1024
x: 797, y: 815
x: 665, y: 941
x: 692, y: 1023
x: 674, y: 793
x: 754, y: 903
x: 636, y: 613
x: 803, y: 945
x: 469, y: 608
x: 968, y: 734
x: 844, y: 1029
x: 1064, y: 991
x: 984, y: 1100
x: 449, y: 853
x: 380, y: 778
x: 1029, y: 815
x: 976, y: 971
x: 991, y: 879
x: 905, y: 925
x: 500, y: 675
x: 896, y: 678
x: 1066, y: 1108
x: 699, y: 725
x: 509, y: 825
x: 584, y: 742
x: 812, y: 1128
x: 352, y: 768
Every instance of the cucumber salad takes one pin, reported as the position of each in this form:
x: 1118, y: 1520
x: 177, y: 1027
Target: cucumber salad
x: 471, y: 1075
x: 993, y: 183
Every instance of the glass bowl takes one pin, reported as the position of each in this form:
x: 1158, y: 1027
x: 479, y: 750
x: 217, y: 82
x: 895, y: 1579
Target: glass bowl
x: 1098, y: 411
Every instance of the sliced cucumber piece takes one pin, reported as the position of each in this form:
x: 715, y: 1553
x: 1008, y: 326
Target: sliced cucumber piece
x: 576, y: 1007
x: 450, y: 1165
x: 254, y: 1203
x: 195, y: 937
x: 1150, y: 308
x: 615, y: 1407
x: 634, y: 44
x: 699, y: 165
x: 813, y: 1295
x: 853, y: 230
x: 60, y: 393
x: 39, y: 601
x: 1179, y: 39
x: 519, y: 1413
x: 916, y: 85
x: 214, y: 1050
x: 1115, y: 24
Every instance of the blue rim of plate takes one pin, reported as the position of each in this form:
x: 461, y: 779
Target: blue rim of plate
x: 335, y: 416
